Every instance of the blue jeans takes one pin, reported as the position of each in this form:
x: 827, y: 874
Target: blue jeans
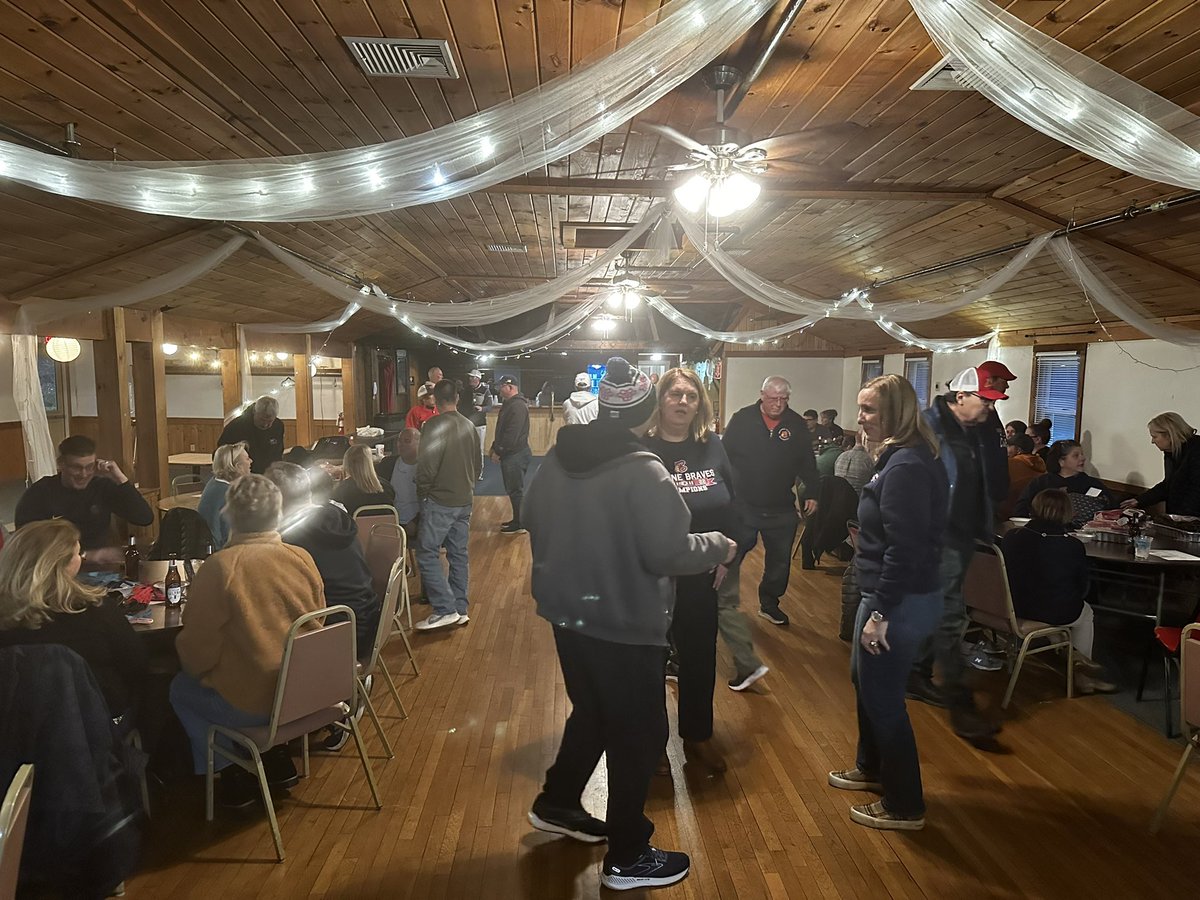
x: 778, y: 531
x: 944, y: 644
x: 512, y: 469
x: 886, y: 746
x: 199, y: 706
x: 444, y: 526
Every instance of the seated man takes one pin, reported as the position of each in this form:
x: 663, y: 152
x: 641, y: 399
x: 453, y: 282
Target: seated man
x: 87, y: 492
x: 400, y: 471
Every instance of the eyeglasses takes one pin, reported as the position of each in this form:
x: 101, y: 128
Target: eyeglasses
x: 688, y: 397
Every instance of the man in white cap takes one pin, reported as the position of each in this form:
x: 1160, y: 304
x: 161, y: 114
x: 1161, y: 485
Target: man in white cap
x: 581, y: 407
x: 959, y: 418
x: 482, y: 401
x: 608, y: 530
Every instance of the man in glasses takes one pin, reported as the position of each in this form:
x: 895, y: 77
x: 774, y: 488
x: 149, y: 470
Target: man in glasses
x: 87, y: 492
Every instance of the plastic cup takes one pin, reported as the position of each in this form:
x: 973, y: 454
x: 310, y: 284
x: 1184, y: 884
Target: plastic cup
x: 1141, y: 546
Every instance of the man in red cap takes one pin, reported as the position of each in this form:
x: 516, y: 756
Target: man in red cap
x: 997, y: 378
x: 961, y: 418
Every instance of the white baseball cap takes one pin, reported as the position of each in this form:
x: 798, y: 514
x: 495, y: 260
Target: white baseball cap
x: 583, y: 380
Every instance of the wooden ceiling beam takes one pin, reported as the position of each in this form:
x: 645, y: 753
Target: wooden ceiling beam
x: 601, y: 187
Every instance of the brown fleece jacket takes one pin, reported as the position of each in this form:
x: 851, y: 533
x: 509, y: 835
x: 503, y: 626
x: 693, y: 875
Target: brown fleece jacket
x: 240, y: 606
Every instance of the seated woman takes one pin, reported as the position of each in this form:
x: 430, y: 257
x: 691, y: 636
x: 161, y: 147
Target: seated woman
x: 361, y: 486
x: 240, y: 606
x: 1180, y: 488
x: 230, y: 462
x: 1064, y: 469
x: 41, y: 602
x: 1049, y: 576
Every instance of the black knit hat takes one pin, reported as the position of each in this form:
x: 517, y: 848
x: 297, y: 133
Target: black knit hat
x: 626, y: 394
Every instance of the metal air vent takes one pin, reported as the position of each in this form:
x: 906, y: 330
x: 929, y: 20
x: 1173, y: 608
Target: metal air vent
x: 403, y: 57
x: 948, y: 75
x: 506, y: 248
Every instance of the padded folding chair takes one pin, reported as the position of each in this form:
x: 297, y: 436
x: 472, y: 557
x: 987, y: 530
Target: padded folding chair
x: 379, y: 512
x: 318, y: 686
x: 383, y: 544
x: 388, y: 613
x: 1189, y: 712
x: 186, y: 484
x: 14, y: 816
x: 398, y: 585
x: 989, y: 605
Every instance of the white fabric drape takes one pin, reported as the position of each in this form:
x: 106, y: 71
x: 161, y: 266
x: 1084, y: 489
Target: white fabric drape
x: 503, y: 142
x: 753, y: 336
x: 948, y: 345
x: 31, y: 410
x: 557, y: 326
x: 1064, y: 94
x: 37, y: 311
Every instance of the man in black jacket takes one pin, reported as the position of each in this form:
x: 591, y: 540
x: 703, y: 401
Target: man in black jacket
x: 511, y: 448
x: 259, y: 426
x: 770, y: 449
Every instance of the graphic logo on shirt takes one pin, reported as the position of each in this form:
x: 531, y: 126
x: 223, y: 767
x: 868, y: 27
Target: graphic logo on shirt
x: 784, y: 434
x: 680, y: 466
x: 694, y: 482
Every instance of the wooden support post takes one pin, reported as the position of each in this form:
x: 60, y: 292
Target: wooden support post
x: 304, y: 396
x: 364, y: 372
x: 150, y: 402
x: 115, y: 436
x: 231, y: 380
x: 349, y: 396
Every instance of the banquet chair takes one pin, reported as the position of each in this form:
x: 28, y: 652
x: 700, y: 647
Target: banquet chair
x: 14, y: 816
x: 398, y: 585
x: 317, y: 687
x: 383, y: 544
x: 186, y: 484
x: 378, y: 512
x: 1189, y: 712
x: 383, y: 633
x: 989, y: 605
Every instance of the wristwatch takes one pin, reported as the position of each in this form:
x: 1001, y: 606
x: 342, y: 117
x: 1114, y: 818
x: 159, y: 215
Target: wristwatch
x: 876, y: 616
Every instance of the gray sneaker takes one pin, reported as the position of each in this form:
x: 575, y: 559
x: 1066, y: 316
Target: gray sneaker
x: 438, y: 621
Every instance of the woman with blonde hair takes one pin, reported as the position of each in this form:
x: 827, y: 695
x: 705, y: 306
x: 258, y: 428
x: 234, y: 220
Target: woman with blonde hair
x: 902, y: 516
x: 679, y: 435
x: 1180, y: 446
x: 42, y: 602
x: 361, y: 486
x: 230, y: 462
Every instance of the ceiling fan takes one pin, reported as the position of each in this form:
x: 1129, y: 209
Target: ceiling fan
x: 725, y: 162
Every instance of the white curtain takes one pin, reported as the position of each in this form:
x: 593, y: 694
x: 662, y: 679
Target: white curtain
x: 1064, y: 94
x: 503, y: 142
x: 753, y: 336
x: 31, y: 410
x: 948, y: 345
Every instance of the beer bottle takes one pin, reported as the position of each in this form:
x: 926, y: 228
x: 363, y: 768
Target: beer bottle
x: 133, y: 560
x: 173, y: 585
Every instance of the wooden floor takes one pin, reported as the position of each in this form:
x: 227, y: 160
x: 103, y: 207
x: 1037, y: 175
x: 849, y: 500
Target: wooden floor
x: 1063, y: 813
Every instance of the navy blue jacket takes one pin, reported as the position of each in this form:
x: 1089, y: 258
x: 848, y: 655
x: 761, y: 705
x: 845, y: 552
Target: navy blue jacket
x: 940, y: 419
x: 902, y: 518
x: 767, y: 463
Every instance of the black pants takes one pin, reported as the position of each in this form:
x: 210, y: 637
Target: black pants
x: 778, y: 531
x: 618, y: 707
x: 694, y: 630
x: 512, y: 469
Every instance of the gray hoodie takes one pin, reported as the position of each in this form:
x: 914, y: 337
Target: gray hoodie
x: 608, y: 531
x: 580, y: 408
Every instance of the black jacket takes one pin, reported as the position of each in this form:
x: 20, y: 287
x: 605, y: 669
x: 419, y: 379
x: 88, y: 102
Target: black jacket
x: 351, y: 496
x: 90, y: 510
x: 1180, y: 487
x: 265, y: 445
x: 902, y: 520
x: 766, y: 463
x: 1048, y: 572
x: 512, y: 427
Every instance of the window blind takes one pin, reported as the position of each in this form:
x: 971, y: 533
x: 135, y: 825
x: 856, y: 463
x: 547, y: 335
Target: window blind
x: 1056, y: 396
x: 916, y: 370
x: 871, y: 368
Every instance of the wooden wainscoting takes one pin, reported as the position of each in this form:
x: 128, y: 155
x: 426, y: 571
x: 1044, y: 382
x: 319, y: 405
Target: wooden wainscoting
x: 12, y: 452
x: 542, y: 431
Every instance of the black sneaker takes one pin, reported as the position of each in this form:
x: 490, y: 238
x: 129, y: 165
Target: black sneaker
x: 739, y: 682
x: 574, y: 823
x: 969, y: 725
x: 335, y: 738
x: 654, y: 868
x: 925, y: 691
x: 775, y: 616
x: 512, y: 528
x: 281, y: 771
x: 236, y: 789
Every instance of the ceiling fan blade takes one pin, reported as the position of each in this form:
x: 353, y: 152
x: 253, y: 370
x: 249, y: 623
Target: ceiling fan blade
x: 672, y: 135
x: 803, y: 171
x: 812, y: 140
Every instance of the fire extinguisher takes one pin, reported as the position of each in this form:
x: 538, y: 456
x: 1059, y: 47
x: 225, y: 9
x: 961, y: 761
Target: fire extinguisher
x: 341, y: 423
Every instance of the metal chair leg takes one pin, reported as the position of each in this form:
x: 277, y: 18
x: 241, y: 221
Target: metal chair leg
x: 362, y: 755
x: 1012, y: 682
x: 304, y: 754
x: 1168, y: 702
x: 387, y: 747
x: 412, y: 657
x: 1166, y: 801
x: 387, y: 677
x: 266, y: 798
x: 208, y: 778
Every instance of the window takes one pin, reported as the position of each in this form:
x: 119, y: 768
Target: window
x: 48, y: 376
x: 916, y: 370
x: 871, y: 368
x: 1058, y: 391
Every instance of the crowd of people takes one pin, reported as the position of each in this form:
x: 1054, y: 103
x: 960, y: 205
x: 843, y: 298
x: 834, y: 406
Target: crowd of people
x: 642, y: 585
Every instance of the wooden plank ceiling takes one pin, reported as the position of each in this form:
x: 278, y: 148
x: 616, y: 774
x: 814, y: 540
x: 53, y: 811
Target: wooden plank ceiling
x: 213, y: 79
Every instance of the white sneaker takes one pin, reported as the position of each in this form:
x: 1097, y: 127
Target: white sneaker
x: 437, y: 621
x: 463, y: 618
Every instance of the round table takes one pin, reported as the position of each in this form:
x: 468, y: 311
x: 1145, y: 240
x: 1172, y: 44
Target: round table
x: 188, y: 501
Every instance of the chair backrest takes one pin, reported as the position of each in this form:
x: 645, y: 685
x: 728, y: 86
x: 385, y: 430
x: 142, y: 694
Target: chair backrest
x: 1189, y: 676
x: 392, y: 596
x: 332, y: 446
x: 184, y: 533
x: 186, y: 484
x: 383, y: 544
x: 14, y: 815
x: 318, y: 668
x: 381, y: 511
x: 985, y: 587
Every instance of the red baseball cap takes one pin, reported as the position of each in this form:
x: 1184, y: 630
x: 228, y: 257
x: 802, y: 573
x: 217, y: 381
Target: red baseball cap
x: 993, y: 369
x: 974, y: 381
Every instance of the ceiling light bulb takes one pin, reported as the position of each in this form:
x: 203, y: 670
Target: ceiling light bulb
x: 692, y: 192
x: 632, y: 299
x: 215, y: 364
x: 613, y: 300
x: 194, y: 356
x: 170, y: 349
x: 732, y: 194
x: 281, y: 356
x: 605, y: 325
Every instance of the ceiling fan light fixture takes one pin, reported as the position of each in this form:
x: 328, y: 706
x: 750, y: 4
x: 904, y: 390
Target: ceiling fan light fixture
x: 732, y: 194
x: 613, y: 300
x: 692, y: 193
x: 632, y: 299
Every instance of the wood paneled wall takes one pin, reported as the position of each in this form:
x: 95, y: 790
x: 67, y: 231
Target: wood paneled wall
x: 12, y: 452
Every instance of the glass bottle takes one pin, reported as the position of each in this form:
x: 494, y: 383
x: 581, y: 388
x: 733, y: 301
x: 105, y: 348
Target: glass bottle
x: 133, y: 560
x: 173, y: 584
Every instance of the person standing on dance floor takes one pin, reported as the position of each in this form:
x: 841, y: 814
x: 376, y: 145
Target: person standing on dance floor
x: 679, y: 435
x: 902, y: 517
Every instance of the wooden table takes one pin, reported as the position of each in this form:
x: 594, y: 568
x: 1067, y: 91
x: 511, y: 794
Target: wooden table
x: 167, y: 619
x: 197, y: 461
x: 188, y: 501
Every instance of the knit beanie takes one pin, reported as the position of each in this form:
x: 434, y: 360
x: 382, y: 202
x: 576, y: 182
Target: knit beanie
x: 626, y: 394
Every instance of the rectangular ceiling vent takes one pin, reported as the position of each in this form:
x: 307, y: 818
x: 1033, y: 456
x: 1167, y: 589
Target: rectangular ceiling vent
x: 948, y: 75
x: 506, y: 248
x: 403, y: 57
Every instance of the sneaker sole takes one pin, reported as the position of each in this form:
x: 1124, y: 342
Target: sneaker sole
x: 512, y: 533
x: 754, y: 676
x: 770, y: 618
x: 542, y: 825
x: 421, y: 626
x: 845, y: 784
x: 631, y: 883
x: 463, y: 619
x: 886, y: 824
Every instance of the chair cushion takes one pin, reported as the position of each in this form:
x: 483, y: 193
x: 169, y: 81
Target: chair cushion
x: 294, y: 729
x: 989, y: 620
x: 1026, y: 627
